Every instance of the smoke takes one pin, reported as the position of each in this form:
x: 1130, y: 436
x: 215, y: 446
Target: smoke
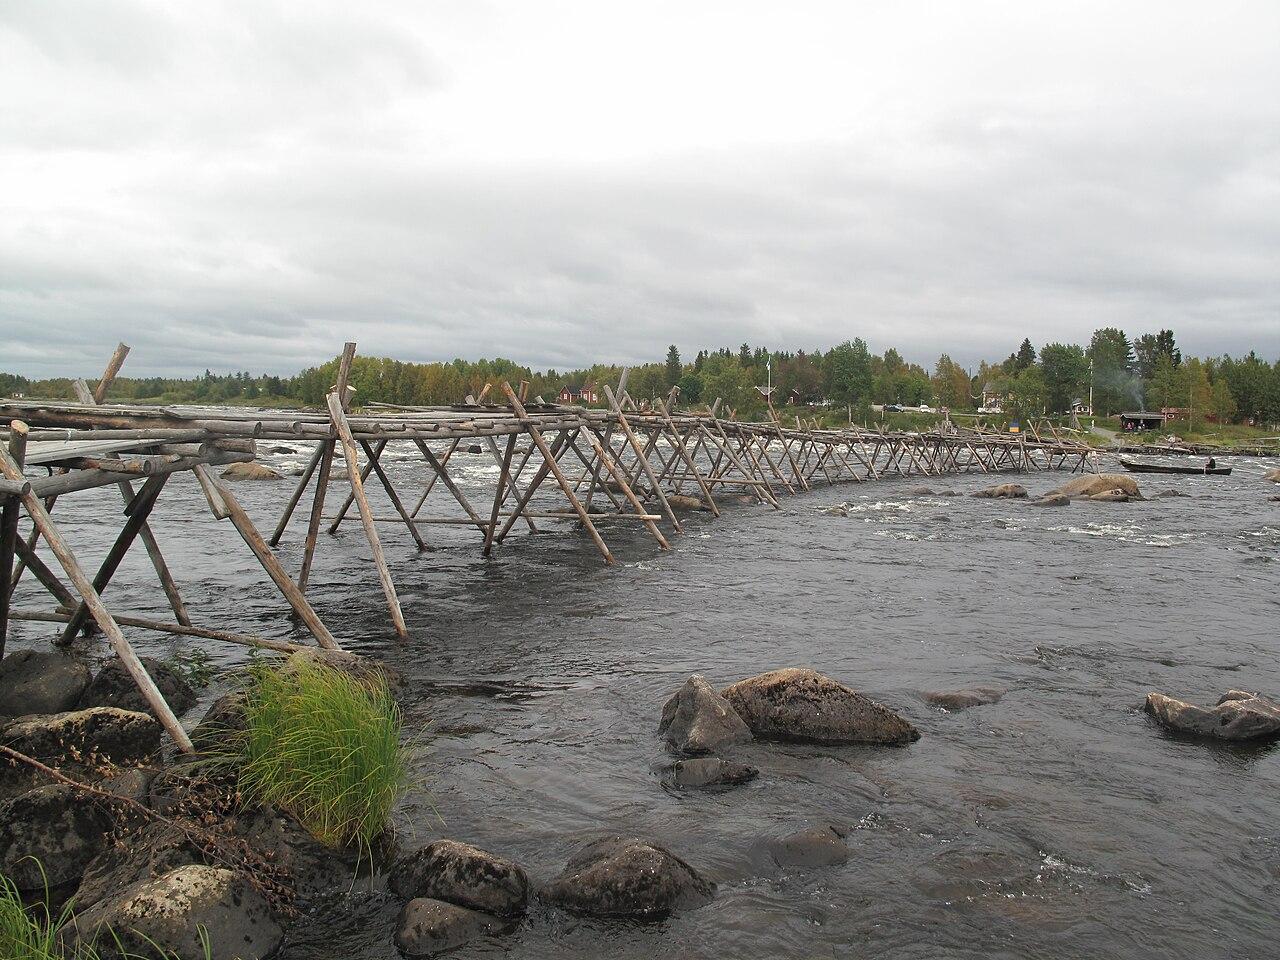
x: 1125, y: 384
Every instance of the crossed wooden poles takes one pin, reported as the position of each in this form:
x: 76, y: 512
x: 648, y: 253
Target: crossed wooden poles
x: 74, y: 464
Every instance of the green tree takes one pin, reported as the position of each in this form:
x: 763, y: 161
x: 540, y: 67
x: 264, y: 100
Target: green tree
x: 1065, y: 370
x: 691, y: 387
x: 1026, y: 394
x: 1026, y: 355
x: 951, y: 384
x: 1222, y: 404
x: 1112, y: 376
x: 673, y: 366
x: 847, y: 372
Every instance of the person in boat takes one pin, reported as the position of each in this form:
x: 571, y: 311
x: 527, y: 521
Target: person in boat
x: 1211, y: 464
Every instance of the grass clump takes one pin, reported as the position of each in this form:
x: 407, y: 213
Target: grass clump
x: 28, y: 934
x: 325, y: 746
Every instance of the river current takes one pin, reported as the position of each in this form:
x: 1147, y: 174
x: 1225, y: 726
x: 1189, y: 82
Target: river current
x: 1059, y: 822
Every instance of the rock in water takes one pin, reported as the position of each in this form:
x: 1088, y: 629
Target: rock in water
x: 114, y: 687
x: 1088, y: 484
x: 168, y: 912
x: 221, y: 725
x: 698, y: 720
x: 1273, y: 475
x: 1003, y: 490
x: 702, y: 773
x: 427, y: 927
x: 679, y: 501
x: 1052, y: 500
x: 1110, y: 496
x: 1170, y: 493
x: 250, y: 471
x: 49, y: 836
x: 105, y: 733
x: 1237, y: 716
x: 953, y: 700
x: 817, y: 847
x: 920, y: 492
x: 32, y: 682
x: 462, y: 874
x: 627, y: 878
x: 801, y: 704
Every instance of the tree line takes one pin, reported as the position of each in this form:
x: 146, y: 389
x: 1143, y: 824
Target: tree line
x: 1149, y: 372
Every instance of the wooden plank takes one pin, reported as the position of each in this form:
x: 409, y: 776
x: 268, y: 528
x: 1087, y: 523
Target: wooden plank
x: 9, y: 512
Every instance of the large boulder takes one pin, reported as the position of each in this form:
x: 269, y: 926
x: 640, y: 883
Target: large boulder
x: 679, y: 501
x: 361, y: 667
x: 427, y: 927
x: 40, y: 682
x: 314, y: 870
x: 49, y: 835
x: 156, y: 849
x: 802, y: 704
x: 1015, y: 490
x: 1237, y: 716
x: 250, y: 471
x: 953, y: 700
x: 698, y: 720
x: 706, y: 773
x: 84, y: 736
x: 462, y: 874
x: 1273, y: 475
x: 179, y: 912
x: 627, y: 878
x: 1090, y: 484
x: 114, y: 687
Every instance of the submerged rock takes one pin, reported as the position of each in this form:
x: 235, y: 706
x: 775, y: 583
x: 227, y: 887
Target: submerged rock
x: 839, y: 510
x: 40, y: 682
x: 169, y: 912
x: 920, y: 492
x: 1003, y: 490
x: 1111, y: 496
x: 1170, y: 493
x: 462, y: 874
x: 1238, y: 716
x: 797, y: 704
x: 1052, y: 500
x: 627, y: 878
x: 114, y: 687
x: 84, y: 736
x: 1273, y: 475
x: 953, y: 700
x: 698, y: 720
x: 250, y: 471
x: 49, y: 835
x: 815, y: 847
x: 679, y: 501
x: 1089, y: 484
x: 701, y: 773
x: 362, y: 668
x: 427, y: 927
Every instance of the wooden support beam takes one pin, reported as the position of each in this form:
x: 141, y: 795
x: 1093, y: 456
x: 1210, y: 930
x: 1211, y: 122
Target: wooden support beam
x: 536, y: 435
x: 10, y: 508
x: 109, y: 375
x: 40, y: 517
x: 642, y: 454
x: 339, y: 417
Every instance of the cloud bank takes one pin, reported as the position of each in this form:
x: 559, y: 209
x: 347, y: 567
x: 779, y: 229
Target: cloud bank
x: 247, y: 185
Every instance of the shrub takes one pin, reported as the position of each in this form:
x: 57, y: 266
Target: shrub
x: 325, y: 746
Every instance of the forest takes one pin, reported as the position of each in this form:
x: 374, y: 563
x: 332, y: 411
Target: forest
x: 1119, y: 374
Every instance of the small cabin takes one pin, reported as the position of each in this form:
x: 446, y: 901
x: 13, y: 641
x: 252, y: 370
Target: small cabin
x: 567, y: 395
x: 588, y: 393
x: 1137, y: 422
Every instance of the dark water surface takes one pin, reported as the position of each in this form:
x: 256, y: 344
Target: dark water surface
x: 1059, y: 822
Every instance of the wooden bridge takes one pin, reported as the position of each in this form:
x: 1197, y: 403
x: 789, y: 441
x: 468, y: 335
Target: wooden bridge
x: 640, y: 461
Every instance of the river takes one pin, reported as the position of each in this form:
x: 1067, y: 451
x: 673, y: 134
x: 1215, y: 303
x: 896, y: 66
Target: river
x: 1059, y: 822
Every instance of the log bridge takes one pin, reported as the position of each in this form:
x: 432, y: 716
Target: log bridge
x: 640, y: 461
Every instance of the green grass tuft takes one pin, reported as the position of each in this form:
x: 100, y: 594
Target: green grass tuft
x: 27, y: 934
x: 325, y: 746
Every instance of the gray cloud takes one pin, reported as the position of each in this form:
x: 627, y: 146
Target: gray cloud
x: 249, y: 185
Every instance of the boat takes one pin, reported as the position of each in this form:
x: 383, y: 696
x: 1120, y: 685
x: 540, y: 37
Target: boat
x: 1134, y: 467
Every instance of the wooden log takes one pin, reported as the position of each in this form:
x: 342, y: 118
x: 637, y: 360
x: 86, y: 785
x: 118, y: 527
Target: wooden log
x: 298, y: 491
x: 109, y: 375
x: 160, y: 626
x: 536, y: 435
x: 642, y: 454
x: 40, y: 517
x: 41, y: 570
x: 391, y: 491
x: 339, y: 417
x: 132, y: 527
x: 10, y: 508
x: 249, y: 533
x: 680, y: 449
x: 627, y: 491
x: 500, y: 494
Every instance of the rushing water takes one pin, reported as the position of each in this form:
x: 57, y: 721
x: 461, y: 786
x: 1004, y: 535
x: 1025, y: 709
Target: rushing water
x: 1059, y: 822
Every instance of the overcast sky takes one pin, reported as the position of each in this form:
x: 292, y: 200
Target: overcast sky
x: 247, y: 185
